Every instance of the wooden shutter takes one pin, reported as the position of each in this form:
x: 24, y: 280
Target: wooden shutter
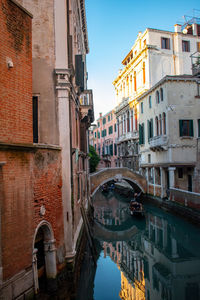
x: 199, y: 128
x: 181, y: 127
x: 79, y: 68
x: 191, y: 131
x: 35, y: 119
x: 148, y: 130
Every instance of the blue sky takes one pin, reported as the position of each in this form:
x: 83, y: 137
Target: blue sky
x: 113, y: 26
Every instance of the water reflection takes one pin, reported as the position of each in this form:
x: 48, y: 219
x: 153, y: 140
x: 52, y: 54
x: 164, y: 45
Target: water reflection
x: 158, y: 258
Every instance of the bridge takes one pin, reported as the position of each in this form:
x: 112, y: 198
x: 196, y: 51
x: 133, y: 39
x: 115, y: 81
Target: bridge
x: 137, y: 181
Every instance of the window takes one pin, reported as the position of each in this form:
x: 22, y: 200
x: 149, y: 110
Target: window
x: 157, y: 127
x: 98, y: 135
x: 164, y: 123
x: 157, y: 97
x: 160, y: 124
x: 149, y: 158
x: 165, y: 43
x: 186, y: 127
x: 98, y: 124
x: 180, y: 172
x: 110, y: 130
x: 161, y: 94
x: 142, y: 108
x: 115, y: 146
x: 109, y: 118
x: 141, y: 134
x: 104, y: 120
x: 111, y: 149
x: 115, y: 127
x: 150, y: 104
x: 35, y: 119
x: 185, y: 46
x: 150, y: 129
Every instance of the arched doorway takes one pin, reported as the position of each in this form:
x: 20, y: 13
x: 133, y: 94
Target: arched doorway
x: 44, y: 258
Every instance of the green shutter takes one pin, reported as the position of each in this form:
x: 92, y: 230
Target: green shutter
x: 199, y: 128
x: 151, y: 121
x: 191, y: 131
x: 148, y: 130
x: 143, y: 136
x: 140, y: 134
x: 181, y: 127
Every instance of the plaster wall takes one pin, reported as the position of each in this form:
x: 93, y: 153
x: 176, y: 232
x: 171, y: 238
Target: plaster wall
x: 179, y: 104
x: 43, y: 47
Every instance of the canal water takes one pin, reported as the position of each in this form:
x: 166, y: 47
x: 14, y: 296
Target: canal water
x: 153, y: 258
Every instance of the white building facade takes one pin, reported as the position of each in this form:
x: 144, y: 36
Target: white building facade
x: 169, y: 131
x: 155, y: 54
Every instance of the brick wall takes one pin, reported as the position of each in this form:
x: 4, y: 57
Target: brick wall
x: 16, y: 82
x: 30, y: 180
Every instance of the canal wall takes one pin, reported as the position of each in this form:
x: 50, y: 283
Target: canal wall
x: 185, y: 198
x: 177, y: 208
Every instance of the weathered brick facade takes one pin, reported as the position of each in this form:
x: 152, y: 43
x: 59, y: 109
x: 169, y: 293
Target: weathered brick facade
x: 16, y: 81
x: 30, y: 175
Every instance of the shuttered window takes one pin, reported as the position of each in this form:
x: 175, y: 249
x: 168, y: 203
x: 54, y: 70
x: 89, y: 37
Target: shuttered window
x: 150, y: 128
x: 141, y: 134
x: 186, y: 128
x: 110, y: 130
x: 35, y: 119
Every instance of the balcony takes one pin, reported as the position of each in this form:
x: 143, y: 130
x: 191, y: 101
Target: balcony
x: 86, y: 107
x: 158, y: 143
x: 128, y: 136
x: 195, y: 57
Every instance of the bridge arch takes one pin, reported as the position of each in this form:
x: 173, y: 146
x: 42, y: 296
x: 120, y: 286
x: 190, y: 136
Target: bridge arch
x: 117, y: 174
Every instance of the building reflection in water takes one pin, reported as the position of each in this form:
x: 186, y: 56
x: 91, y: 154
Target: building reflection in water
x: 157, y: 263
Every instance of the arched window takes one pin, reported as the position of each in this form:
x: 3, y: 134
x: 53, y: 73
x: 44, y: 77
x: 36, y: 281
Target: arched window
x: 157, y: 97
x: 164, y: 123
x: 156, y: 125
x: 160, y: 124
x: 161, y: 94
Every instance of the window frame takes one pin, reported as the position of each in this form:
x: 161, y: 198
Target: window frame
x: 165, y: 43
x: 185, y: 46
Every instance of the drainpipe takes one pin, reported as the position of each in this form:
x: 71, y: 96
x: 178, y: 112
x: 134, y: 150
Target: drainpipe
x: 174, y: 56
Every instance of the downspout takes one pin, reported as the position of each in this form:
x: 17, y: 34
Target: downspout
x: 174, y: 56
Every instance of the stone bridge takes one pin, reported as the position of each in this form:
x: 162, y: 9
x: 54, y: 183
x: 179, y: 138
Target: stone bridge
x: 137, y: 181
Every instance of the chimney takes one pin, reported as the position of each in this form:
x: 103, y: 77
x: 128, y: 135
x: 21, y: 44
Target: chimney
x: 177, y: 28
x: 194, y: 29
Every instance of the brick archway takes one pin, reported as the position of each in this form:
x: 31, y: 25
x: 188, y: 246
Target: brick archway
x: 99, y: 178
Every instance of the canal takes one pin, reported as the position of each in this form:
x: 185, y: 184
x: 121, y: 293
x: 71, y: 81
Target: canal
x: 153, y: 258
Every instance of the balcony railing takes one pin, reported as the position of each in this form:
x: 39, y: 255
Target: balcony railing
x: 128, y: 136
x: 158, y: 143
x: 86, y: 106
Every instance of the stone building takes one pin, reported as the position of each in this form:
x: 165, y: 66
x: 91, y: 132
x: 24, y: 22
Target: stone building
x: 169, y: 130
x: 103, y: 137
x: 46, y: 111
x: 155, y: 54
